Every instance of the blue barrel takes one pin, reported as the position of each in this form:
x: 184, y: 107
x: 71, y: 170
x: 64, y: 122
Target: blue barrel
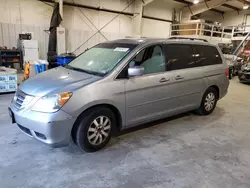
x: 37, y: 68
x: 43, y: 67
x: 65, y: 58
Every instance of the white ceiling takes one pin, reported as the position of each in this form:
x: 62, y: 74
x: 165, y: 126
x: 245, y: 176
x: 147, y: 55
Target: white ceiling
x: 235, y: 3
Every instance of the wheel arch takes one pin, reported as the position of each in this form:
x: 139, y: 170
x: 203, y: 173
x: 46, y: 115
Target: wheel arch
x: 115, y: 110
x: 217, y: 90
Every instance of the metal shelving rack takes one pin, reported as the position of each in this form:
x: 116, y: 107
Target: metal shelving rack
x: 9, y: 57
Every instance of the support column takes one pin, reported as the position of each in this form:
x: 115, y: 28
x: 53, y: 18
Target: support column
x: 137, y: 18
x: 61, y: 7
x: 61, y: 32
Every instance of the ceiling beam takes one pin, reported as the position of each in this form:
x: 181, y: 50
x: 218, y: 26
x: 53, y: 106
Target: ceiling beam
x: 145, y: 2
x: 231, y: 7
x: 90, y: 7
x: 244, y: 2
x: 184, y: 2
x: 217, y: 11
x: 189, y: 4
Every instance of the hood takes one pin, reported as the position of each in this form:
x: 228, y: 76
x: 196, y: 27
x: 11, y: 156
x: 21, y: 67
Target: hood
x: 55, y: 79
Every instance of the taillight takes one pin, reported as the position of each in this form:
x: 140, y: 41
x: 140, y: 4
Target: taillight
x: 227, y: 72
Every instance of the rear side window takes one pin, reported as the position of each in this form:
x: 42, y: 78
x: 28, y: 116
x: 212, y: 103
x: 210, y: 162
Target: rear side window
x: 207, y: 55
x: 180, y: 56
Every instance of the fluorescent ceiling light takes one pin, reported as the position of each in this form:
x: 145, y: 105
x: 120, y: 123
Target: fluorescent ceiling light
x: 196, y: 1
x: 245, y: 7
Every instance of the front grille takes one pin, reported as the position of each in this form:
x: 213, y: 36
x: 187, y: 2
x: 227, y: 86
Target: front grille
x: 24, y: 129
x: 21, y: 99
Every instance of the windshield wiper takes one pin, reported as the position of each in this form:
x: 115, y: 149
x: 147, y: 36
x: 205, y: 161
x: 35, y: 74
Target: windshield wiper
x: 83, y: 70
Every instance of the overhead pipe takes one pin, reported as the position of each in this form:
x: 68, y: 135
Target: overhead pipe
x: 106, y: 10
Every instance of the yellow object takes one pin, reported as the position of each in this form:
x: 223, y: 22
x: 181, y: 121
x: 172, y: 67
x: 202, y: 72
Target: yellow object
x: 26, y: 71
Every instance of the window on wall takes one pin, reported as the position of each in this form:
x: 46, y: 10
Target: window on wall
x: 180, y: 56
x: 151, y: 58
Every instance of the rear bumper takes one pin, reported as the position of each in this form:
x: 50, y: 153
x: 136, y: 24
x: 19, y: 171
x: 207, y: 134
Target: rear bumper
x: 53, y: 129
x: 223, y: 92
x: 224, y: 88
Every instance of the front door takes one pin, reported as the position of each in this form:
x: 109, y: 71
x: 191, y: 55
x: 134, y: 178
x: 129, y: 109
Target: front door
x: 147, y: 96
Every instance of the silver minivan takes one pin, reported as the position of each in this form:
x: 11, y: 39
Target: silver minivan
x: 117, y: 85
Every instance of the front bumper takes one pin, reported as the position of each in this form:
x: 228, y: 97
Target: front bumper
x: 53, y: 129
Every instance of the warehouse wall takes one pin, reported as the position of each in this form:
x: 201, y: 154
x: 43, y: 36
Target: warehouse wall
x: 29, y: 12
x: 18, y: 16
x: 78, y: 22
x: 233, y: 18
x: 159, y: 9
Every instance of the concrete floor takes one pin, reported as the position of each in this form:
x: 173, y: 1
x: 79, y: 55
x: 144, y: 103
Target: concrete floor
x: 189, y: 151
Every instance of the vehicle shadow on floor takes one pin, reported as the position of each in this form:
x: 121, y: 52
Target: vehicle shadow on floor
x: 168, y: 128
x: 219, y: 111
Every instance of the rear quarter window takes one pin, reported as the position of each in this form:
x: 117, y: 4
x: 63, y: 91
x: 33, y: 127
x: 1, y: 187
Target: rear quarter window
x: 209, y: 55
x: 180, y: 56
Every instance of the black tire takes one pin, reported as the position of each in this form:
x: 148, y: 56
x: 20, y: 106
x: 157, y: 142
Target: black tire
x: 202, y: 110
x: 85, y: 121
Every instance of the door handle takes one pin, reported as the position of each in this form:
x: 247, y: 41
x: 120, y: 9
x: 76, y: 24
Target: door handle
x: 179, y: 77
x: 162, y: 80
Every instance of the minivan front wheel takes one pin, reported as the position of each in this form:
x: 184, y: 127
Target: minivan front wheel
x: 94, y: 130
x: 208, y: 102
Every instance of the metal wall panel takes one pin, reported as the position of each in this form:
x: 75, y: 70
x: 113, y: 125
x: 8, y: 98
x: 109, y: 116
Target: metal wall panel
x: 9, y: 36
x: 74, y: 38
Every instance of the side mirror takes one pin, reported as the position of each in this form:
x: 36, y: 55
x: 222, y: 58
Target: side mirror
x: 136, y: 71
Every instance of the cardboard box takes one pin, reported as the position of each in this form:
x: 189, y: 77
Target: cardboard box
x: 8, y: 87
x: 3, y: 78
x: 12, y: 78
x: 12, y: 86
x: 3, y: 87
x: 8, y: 78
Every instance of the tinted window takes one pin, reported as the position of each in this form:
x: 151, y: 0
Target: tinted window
x: 151, y: 58
x: 180, y: 56
x: 207, y: 55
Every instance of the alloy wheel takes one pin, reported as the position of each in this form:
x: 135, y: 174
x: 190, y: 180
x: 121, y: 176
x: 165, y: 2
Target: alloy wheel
x: 209, y: 101
x: 99, y: 130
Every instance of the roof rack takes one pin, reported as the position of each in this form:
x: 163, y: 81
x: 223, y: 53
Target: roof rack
x: 185, y: 38
x: 135, y: 37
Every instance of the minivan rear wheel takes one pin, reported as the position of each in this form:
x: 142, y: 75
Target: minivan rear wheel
x: 94, y: 130
x: 209, y: 101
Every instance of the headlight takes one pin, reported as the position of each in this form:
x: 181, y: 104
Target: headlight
x: 51, y: 103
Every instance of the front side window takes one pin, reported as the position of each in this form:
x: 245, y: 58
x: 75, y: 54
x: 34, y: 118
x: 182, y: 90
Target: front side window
x: 102, y: 58
x: 151, y: 59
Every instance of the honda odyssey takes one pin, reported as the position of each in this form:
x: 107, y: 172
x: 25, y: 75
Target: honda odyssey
x: 117, y: 85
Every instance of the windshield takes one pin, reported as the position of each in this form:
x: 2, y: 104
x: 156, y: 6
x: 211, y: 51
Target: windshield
x: 101, y: 59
